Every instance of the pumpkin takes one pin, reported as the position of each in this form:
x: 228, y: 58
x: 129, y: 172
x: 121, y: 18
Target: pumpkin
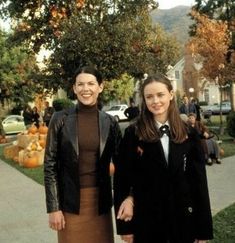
x: 33, y: 129
x: 221, y: 152
x: 30, y: 161
x: 43, y: 129
x: 111, y: 169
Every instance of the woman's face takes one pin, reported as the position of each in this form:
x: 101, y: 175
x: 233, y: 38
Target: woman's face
x: 157, y: 98
x: 87, y: 88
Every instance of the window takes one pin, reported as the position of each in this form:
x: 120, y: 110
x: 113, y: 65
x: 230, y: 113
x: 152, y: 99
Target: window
x: 177, y: 74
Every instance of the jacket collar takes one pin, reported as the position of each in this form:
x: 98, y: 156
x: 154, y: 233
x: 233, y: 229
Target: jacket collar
x: 104, y: 125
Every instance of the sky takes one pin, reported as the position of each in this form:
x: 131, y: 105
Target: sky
x: 165, y: 4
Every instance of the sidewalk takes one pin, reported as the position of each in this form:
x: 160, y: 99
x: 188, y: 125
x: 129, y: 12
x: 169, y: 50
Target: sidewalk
x: 23, y: 217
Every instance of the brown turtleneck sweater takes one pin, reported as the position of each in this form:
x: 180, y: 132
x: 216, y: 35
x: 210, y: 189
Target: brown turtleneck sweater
x: 88, y: 142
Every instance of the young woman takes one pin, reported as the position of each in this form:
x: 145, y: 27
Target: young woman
x: 160, y: 184
x: 81, y: 143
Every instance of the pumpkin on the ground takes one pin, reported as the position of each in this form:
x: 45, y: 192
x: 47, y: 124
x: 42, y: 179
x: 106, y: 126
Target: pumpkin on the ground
x: 30, y: 161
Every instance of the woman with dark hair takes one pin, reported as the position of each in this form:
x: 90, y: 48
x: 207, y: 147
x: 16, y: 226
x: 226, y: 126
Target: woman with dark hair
x: 160, y: 184
x: 81, y: 143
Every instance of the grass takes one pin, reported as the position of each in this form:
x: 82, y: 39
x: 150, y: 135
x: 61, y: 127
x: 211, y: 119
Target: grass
x: 224, y: 226
x: 36, y: 173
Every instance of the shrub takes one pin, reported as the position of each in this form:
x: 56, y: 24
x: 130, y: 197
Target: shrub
x: 231, y: 124
x: 60, y: 104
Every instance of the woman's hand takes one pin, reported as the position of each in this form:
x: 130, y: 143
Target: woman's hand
x: 125, y: 211
x: 56, y: 220
x: 206, y: 134
x: 128, y: 238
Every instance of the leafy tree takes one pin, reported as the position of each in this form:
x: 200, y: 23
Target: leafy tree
x: 210, y: 43
x: 120, y: 89
x: 116, y: 35
x: 17, y: 73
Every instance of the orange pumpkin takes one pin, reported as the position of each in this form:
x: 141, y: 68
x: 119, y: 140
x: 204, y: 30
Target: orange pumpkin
x: 30, y: 162
x: 33, y: 129
x: 43, y: 129
x: 221, y: 152
x: 111, y: 169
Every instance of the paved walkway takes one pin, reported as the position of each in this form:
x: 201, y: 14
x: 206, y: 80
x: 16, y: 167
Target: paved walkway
x: 23, y: 217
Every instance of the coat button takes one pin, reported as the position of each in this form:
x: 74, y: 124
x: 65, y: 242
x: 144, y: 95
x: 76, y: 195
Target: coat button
x: 190, y: 209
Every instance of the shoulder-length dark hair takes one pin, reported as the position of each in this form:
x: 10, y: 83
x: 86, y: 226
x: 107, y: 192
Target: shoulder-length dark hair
x: 90, y: 70
x: 146, y: 125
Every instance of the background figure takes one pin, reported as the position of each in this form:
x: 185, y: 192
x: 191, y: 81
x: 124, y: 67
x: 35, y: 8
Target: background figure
x: 160, y: 185
x: 47, y: 113
x: 2, y: 132
x: 187, y: 107
x: 132, y: 111
x: 35, y: 116
x: 27, y: 114
x: 210, y: 146
x: 81, y: 143
x: 197, y: 108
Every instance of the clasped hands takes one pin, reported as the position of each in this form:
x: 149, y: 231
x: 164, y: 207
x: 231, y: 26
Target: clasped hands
x: 125, y: 213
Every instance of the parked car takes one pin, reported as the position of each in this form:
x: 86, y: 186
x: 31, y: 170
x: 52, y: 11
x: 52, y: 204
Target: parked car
x: 118, y: 112
x: 215, y: 109
x: 13, y: 124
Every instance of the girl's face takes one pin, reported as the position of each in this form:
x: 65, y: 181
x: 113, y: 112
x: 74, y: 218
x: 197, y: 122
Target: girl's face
x: 87, y: 89
x: 157, y: 98
x: 192, y: 120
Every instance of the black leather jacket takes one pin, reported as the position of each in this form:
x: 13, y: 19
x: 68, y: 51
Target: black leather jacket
x: 61, y: 173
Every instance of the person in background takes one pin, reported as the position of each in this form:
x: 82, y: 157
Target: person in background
x: 197, y: 108
x: 35, y: 116
x: 187, y: 107
x: 160, y: 184
x: 27, y: 114
x: 2, y: 132
x: 211, y: 147
x: 132, y: 111
x: 81, y: 143
x: 47, y: 113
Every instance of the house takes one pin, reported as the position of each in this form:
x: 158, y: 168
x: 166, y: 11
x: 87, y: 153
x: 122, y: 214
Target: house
x: 186, y: 80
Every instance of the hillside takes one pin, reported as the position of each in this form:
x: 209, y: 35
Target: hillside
x: 174, y: 21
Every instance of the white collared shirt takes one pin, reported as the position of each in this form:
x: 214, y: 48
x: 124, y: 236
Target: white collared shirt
x: 164, y: 140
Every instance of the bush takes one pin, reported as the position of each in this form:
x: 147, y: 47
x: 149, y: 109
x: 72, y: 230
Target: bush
x: 231, y: 124
x: 60, y: 104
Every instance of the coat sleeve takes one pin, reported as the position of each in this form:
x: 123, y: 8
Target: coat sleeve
x: 200, y: 194
x: 123, y: 177
x: 51, y: 164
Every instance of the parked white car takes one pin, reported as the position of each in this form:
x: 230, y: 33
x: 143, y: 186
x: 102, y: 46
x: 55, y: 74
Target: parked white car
x: 13, y: 124
x: 118, y: 112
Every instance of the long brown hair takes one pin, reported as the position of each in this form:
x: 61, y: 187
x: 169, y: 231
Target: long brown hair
x: 146, y: 125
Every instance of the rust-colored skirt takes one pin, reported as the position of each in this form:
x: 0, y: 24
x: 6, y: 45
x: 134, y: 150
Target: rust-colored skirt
x: 88, y: 226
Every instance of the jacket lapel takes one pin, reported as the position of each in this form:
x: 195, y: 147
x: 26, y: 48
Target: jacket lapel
x: 71, y: 128
x: 104, y: 125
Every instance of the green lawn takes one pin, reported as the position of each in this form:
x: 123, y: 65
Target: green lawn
x: 224, y: 226
x: 36, y: 173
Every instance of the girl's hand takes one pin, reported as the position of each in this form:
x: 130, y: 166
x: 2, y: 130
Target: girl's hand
x: 125, y: 211
x: 56, y: 220
x: 128, y: 238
